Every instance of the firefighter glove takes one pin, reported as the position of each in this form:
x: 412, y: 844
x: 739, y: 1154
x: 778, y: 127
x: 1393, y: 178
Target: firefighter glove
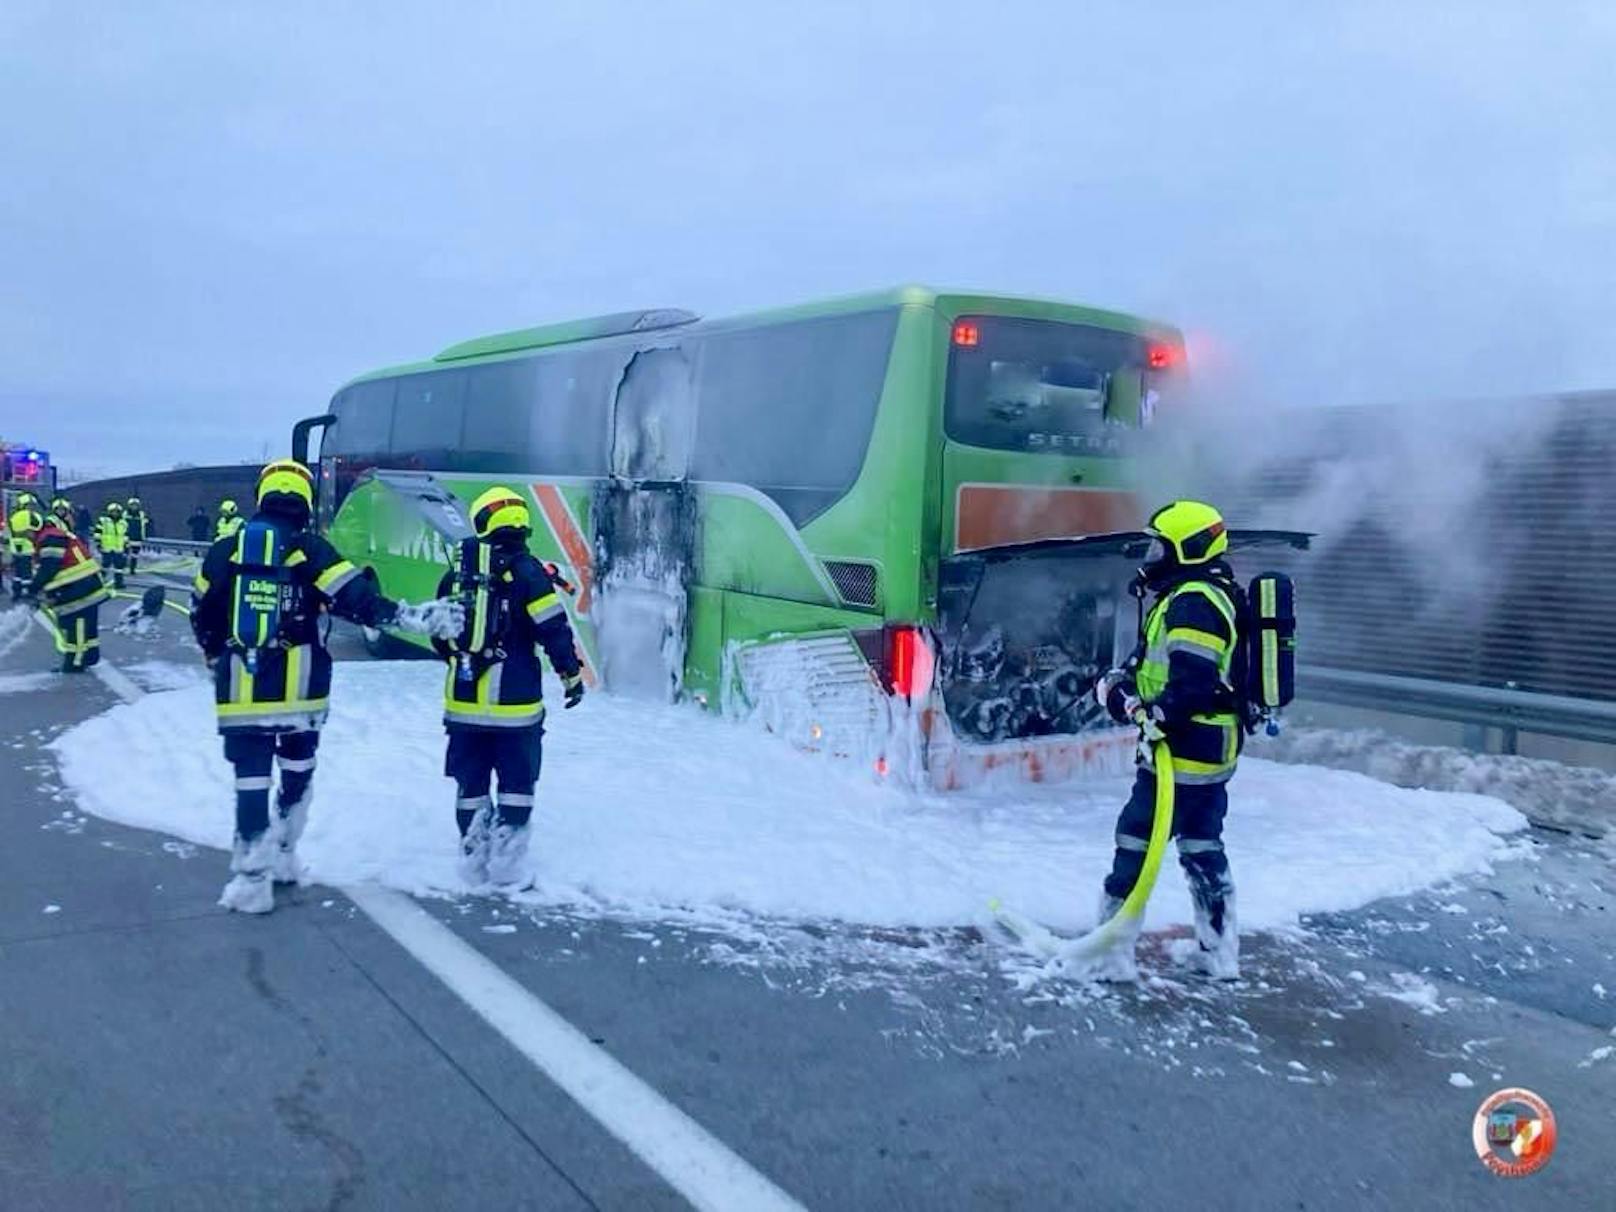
x: 441, y: 617
x: 574, y: 687
x: 1109, y: 679
x: 1149, y: 720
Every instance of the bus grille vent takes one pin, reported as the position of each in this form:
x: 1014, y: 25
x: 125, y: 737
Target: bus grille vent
x: 816, y: 690
x: 855, y: 582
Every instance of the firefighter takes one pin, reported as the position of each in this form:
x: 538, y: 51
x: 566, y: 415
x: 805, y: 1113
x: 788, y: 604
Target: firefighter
x: 67, y: 582
x: 1178, y: 685
x: 256, y: 610
x: 65, y: 515
x: 112, y: 537
x: 230, y: 520
x: 134, y: 512
x: 493, y: 708
x: 24, y: 523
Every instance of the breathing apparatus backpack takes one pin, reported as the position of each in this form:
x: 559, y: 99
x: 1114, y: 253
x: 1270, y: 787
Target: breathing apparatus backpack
x: 263, y: 596
x: 1262, y: 673
x: 479, y: 584
x: 1264, y: 670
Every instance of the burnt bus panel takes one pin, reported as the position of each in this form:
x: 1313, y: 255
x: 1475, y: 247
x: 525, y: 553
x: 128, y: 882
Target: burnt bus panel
x: 1026, y: 629
x: 1024, y: 640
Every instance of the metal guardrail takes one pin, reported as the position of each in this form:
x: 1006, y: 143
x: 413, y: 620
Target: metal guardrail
x: 1483, y: 706
x: 185, y: 545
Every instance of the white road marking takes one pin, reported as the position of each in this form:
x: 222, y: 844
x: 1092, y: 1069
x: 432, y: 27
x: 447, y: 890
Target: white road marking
x: 117, y: 681
x: 693, y: 1161
x: 13, y: 635
x: 690, y: 1159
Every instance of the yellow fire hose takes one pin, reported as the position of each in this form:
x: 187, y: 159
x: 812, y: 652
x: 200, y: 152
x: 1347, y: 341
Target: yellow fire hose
x: 1108, y: 933
x: 1103, y: 936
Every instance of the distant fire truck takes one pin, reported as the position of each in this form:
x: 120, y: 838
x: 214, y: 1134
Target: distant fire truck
x: 26, y: 469
x: 22, y: 469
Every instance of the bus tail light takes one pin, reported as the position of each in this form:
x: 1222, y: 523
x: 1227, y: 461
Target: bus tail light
x: 902, y: 657
x: 966, y: 333
x: 909, y: 660
x: 1162, y: 356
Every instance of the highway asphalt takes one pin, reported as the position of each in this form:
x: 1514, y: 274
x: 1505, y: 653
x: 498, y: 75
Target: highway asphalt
x: 158, y: 1053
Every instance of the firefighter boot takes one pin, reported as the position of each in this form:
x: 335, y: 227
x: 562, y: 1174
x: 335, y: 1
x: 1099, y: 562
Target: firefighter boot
x: 507, y: 858
x: 475, y: 817
x: 287, y: 825
x: 1117, y: 963
x: 250, y: 889
x: 1217, y: 934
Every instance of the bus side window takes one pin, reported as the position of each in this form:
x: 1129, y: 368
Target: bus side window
x: 567, y: 420
x: 427, y: 418
x: 499, y: 399
x: 653, y: 418
x: 364, y: 419
x: 359, y: 438
x: 789, y: 408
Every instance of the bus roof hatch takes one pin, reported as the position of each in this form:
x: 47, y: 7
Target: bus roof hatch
x: 614, y: 325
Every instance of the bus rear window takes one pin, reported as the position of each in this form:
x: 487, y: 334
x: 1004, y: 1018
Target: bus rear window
x: 1043, y: 386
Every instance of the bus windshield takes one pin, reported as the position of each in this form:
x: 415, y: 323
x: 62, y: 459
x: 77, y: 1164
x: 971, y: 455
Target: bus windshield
x: 1045, y: 386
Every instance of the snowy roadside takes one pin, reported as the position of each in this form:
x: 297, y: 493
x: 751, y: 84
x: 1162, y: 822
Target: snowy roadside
x: 658, y: 813
x: 1575, y: 798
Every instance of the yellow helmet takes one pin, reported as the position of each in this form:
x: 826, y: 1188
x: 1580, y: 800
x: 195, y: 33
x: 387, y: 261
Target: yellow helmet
x: 289, y: 477
x: 227, y: 507
x: 62, y: 508
x: 497, y: 509
x: 1191, y: 532
x: 114, y: 509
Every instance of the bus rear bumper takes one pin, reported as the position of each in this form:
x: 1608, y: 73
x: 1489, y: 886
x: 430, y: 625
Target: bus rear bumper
x: 954, y: 765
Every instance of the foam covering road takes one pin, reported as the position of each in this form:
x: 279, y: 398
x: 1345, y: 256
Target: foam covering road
x: 160, y: 1053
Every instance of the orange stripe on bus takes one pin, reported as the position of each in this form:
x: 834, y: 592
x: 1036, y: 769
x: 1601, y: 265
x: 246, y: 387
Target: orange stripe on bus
x: 571, y: 537
x: 565, y: 528
x: 988, y: 515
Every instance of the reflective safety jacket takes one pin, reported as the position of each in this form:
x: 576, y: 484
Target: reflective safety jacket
x: 284, y: 684
x: 226, y: 528
x: 501, y: 685
x: 139, y: 522
x: 67, y: 575
x: 111, y: 534
x: 1185, y: 659
x: 24, y: 523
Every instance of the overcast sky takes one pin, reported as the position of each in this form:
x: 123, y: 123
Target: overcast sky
x: 212, y: 214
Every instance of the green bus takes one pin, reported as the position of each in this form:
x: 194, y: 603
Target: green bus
x: 876, y: 523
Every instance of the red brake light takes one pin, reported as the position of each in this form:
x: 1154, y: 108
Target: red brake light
x: 966, y: 333
x: 1162, y: 357
x: 909, y: 661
